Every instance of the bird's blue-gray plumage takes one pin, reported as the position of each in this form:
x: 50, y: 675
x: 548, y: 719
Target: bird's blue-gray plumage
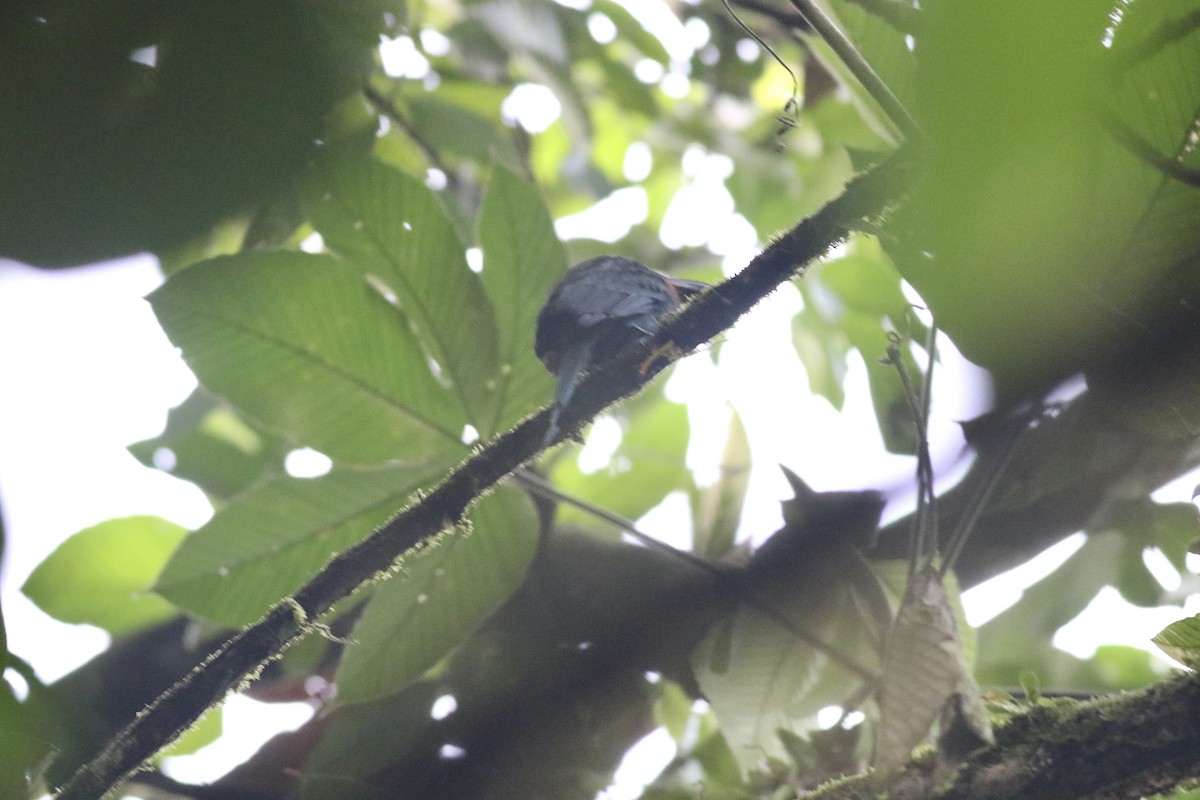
x: 595, y: 311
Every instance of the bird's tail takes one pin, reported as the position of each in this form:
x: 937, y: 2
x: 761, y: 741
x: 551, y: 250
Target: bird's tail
x: 570, y: 370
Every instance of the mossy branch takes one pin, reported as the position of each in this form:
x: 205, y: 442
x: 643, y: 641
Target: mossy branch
x: 1121, y: 746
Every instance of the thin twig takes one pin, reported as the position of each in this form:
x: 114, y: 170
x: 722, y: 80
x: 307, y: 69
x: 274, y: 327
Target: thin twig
x: 983, y: 495
x: 922, y: 543
x: 384, y: 105
x: 786, y: 120
x: 544, y: 488
x: 926, y: 405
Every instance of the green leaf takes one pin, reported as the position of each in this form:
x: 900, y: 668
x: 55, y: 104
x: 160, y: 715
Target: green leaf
x: 526, y: 25
x: 866, y: 303
x: 633, y: 95
x: 272, y: 539
x: 103, y: 575
x: 441, y: 596
x: 354, y: 747
x: 673, y: 709
x: 717, y: 509
x: 646, y: 467
x: 1144, y: 524
x: 522, y: 259
x: 1181, y: 641
x: 882, y: 44
x: 393, y: 231
x: 484, y: 98
x: 1120, y: 668
x: 207, y: 443
x: 761, y: 677
x: 1019, y: 638
x: 24, y: 749
x: 303, y: 345
x: 464, y: 132
x: 866, y: 280
x: 822, y: 347
x: 132, y: 158
x: 1022, y: 175
x: 630, y: 30
x: 893, y: 412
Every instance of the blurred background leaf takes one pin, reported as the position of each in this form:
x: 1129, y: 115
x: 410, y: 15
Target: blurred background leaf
x: 104, y: 575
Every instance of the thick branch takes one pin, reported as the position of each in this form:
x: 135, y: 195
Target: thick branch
x: 241, y: 658
x: 1127, y: 746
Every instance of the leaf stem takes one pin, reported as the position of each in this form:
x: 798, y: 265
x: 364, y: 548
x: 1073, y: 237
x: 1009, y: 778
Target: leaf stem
x: 866, y: 75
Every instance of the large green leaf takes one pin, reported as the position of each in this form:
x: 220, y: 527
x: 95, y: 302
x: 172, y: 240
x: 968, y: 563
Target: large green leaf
x: 1155, y: 91
x: 103, y: 574
x: 522, y: 259
x: 302, y: 344
x: 392, y: 230
x: 130, y: 157
x: 272, y: 539
x: 1157, y: 84
x: 441, y: 595
x: 760, y: 678
x: 1027, y: 226
x: 759, y: 670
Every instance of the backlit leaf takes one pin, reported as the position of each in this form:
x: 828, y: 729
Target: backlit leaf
x: 305, y: 346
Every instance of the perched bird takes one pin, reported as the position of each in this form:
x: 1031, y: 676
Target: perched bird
x: 596, y: 310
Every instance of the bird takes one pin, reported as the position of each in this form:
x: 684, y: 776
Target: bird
x: 596, y: 310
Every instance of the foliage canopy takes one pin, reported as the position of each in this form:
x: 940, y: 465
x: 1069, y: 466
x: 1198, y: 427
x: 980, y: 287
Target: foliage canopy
x: 359, y: 208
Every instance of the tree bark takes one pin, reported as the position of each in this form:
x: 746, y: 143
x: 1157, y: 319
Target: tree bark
x: 1117, y: 747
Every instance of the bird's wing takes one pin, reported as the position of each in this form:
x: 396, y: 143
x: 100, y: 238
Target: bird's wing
x: 596, y: 302
x: 684, y: 288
